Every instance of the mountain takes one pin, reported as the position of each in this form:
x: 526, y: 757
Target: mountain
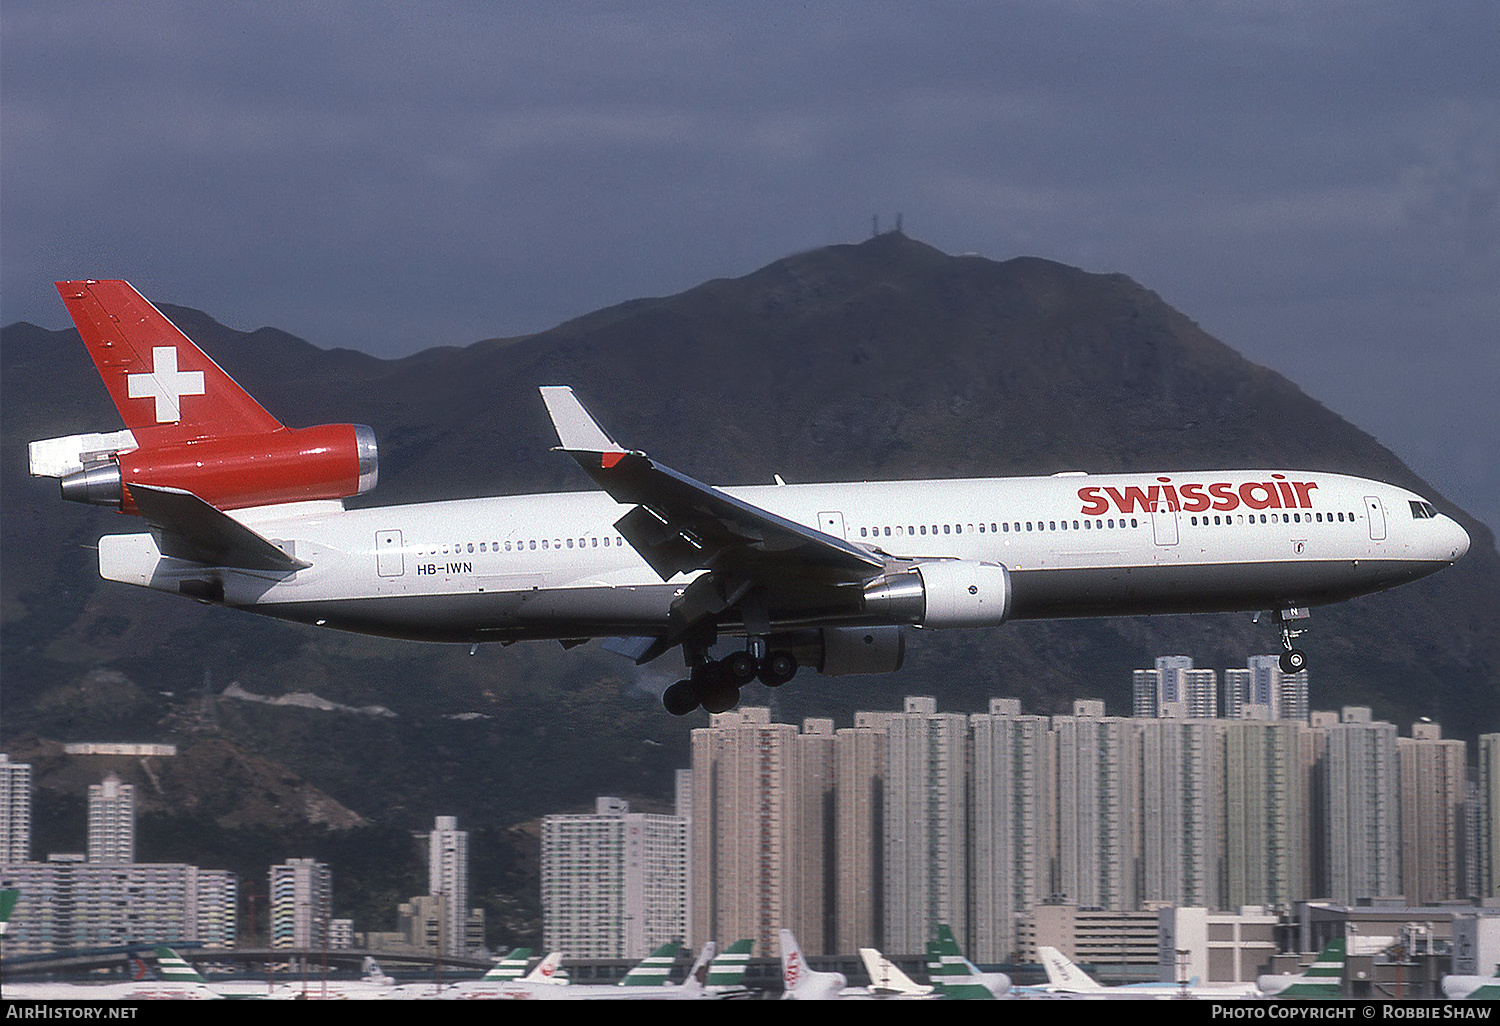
x: 887, y: 359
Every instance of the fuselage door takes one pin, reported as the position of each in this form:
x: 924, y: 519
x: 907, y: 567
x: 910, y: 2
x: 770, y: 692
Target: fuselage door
x: 1375, y: 513
x: 1164, y: 527
x: 390, y: 559
x: 831, y: 523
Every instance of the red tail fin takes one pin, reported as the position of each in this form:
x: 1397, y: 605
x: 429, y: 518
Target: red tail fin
x: 166, y: 389
x: 193, y: 429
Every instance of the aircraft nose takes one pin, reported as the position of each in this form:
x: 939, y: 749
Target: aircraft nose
x: 1455, y: 540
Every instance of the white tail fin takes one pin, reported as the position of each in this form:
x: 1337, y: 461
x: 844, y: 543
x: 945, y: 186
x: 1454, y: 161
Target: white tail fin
x: 886, y: 977
x: 1061, y: 972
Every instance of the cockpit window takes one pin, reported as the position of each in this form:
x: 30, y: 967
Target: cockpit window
x: 1422, y: 510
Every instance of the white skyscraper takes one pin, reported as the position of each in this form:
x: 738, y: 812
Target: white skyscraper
x: 1096, y: 760
x: 15, y: 811
x: 926, y: 824
x: 1267, y: 845
x: 1011, y: 821
x: 742, y: 790
x: 1434, y: 778
x: 1175, y: 690
x: 301, y: 904
x: 860, y: 836
x: 448, y: 881
x: 1261, y: 691
x: 1360, y: 805
x: 614, y: 883
x: 809, y: 864
x: 1489, y: 816
x: 112, y: 821
x: 69, y: 902
x: 1181, y: 796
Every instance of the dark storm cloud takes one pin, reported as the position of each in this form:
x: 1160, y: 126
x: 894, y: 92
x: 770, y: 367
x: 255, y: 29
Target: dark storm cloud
x: 1316, y: 183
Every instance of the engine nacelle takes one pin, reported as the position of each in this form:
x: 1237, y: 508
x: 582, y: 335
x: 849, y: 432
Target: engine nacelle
x: 943, y: 593
x: 329, y: 461
x: 851, y: 650
x: 843, y: 651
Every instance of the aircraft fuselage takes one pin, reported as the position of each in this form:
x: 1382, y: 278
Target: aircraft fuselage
x: 553, y: 565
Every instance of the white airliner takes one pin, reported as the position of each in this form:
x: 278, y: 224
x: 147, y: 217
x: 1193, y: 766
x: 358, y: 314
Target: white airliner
x: 955, y: 976
x: 1323, y: 979
x: 801, y: 982
x: 647, y: 981
x: 1065, y: 977
x: 248, y: 513
x: 1475, y: 988
x: 510, y: 969
x: 178, y: 982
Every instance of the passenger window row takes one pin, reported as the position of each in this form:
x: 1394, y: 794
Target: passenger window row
x: 1003, y: 527
x: 527, y: 545
x: 1284, y: 518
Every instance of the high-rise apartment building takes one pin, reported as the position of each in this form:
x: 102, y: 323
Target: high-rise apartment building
x: 614, y: 883
x: 742, y: 790
x: 1359, y: 794
x: 859, y: 837
x: 926, y: 824
x: 15, y: 811
x: 301, y: 904
x: 1262, y: 691
x: 1181, y: 795
x: 1434, y: 779
x: 1266, y: 814
x: 69, y: 902
x: 1488, y: 819
x: 1095, y: 759
x: 1011, y: 822
x: 1175, y: 689
x: 448, y: 882
x: 811, y: 855
x: 111, y: 821
x: 872, y: 835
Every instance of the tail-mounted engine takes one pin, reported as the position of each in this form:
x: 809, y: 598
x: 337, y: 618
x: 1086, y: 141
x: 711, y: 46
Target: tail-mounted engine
x: 329, y: 461
x: 942, y: 593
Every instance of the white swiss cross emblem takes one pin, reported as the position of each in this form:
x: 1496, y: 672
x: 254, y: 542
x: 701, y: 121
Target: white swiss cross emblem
x: 166, y: 384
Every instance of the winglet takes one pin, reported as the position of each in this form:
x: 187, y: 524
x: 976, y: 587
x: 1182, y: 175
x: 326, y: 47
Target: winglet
x: 577, y: 430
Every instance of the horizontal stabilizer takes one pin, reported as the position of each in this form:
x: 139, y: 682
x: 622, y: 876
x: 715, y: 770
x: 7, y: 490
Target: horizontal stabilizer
x: 190, y: 528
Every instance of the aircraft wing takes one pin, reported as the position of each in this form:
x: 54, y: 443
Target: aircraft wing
x: 189, y: 528
x: 679, y: 525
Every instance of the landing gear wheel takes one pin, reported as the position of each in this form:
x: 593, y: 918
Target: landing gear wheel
x: 777, y: 669
x: 717, y: 691
x: 681, y: 698
x: 1293, y: 660
x: 721, y: 699
x: 739, y: 667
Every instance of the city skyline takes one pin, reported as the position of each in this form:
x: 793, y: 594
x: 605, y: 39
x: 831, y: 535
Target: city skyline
x: 870, y: 834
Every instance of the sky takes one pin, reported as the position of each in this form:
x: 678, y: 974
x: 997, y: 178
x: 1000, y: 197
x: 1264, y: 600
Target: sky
x: 1317, y: 184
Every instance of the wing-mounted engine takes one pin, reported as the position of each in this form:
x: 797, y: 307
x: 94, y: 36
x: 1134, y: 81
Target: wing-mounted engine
x: 942, y: 593
x: 329, y: 461
x: 850, y: 650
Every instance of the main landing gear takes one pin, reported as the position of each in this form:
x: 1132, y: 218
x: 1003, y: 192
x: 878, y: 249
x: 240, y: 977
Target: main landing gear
x: 715, y: 684
x: 1293, y: 660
